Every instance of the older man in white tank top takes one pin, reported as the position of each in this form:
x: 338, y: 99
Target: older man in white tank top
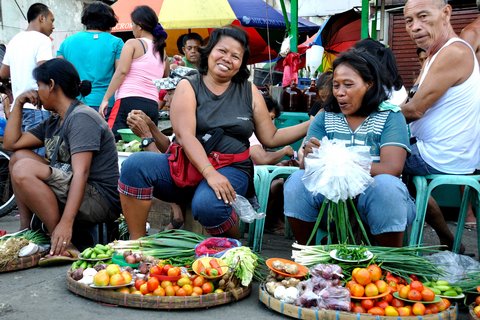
x: 445, y: 110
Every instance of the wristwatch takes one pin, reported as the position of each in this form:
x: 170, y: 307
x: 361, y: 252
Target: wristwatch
x: 146, y: 142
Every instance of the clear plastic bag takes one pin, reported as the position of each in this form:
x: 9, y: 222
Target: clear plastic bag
x: 245, y: 210
x: 337, y: 172
x: 454, y: 265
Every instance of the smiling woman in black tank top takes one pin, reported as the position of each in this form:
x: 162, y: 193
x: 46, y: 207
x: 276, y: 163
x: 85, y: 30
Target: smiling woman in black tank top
x: 217, y: 104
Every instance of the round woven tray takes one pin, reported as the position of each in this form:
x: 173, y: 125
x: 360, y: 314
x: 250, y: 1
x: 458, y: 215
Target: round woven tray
x: 154, y: 302
x: 21, y: 263
x: 471, y: 314
x: 312, y: 314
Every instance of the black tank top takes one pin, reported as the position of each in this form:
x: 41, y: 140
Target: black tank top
x: 232, y: 111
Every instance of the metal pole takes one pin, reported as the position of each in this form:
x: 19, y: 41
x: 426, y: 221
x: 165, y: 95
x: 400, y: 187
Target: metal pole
x: 374, y: 22
x: 294, y: 26
x: 365, y: 7
x: 285, y: 16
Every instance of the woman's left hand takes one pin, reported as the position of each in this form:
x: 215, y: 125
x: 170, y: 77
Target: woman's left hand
x: 220, y: 185
x: 60, y: 238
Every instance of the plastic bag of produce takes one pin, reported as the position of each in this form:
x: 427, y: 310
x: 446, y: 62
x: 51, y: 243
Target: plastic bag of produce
x: 215, y: 247
x: 455, y: 266
x: 334, y: 298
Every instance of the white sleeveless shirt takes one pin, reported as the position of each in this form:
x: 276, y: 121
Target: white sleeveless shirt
x: 448, y: 134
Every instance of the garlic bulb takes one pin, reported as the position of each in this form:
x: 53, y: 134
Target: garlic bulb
x: 28, y: 250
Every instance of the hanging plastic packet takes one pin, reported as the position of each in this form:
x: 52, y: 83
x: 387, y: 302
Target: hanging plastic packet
x: 245, y: 210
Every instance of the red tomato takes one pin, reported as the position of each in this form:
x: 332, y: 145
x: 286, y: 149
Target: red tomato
x: 165, y: 268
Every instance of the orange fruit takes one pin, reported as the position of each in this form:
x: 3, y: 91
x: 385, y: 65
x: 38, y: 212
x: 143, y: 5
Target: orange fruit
x: 175, y: 288
x: 198, y: 281
x: 174, y: 272
x: 159, y: 291
x: 447, y: 302
x: 358, y: 309
x: 169, y: 291
x: 418, y: 309
x: 388, y: 298
x: 381, y: 304
x: 181, y: 292
x: 367, y: 304
x: 397, y: 303
x: 152, y: 284
x: 197, y: 290
x: 432, y: 307
x: 362, y: 277
x: 371, y: 290
x: 414, y: 295
x: 124, y: 290
x: 477, y: 301
x: 428, y: 295
x: 350, y: 283
x: 403, y: 311
x: 377, y: 311
x: 391, y: 311
x: 207, y: 287
x: 416, y: 285
x: 382, y: 286
x: 144, y: 288
x: 188, y: 289
x: 138, y: 283
x: 165, y: 283
x: 375, y: 272
x: 403, y: 293
x: 357, y: 290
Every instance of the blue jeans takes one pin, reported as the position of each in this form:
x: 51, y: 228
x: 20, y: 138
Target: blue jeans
x: 385, y: 206
x: 416, y: 166
x: 32, y: 118
x: 146, y: 174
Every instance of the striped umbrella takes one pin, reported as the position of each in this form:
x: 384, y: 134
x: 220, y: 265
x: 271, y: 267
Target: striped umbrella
x: 264, y: 25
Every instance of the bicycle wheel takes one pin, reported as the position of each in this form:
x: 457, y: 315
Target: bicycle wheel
x: 7, y: 198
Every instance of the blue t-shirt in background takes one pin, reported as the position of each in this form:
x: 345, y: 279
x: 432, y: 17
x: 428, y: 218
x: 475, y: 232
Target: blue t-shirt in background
x: 93, y: 54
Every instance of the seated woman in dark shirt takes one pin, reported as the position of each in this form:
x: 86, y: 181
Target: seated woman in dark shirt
x: 77, y: 180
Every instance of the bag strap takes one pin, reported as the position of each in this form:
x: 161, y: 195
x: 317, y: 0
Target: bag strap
x: 70, y: 109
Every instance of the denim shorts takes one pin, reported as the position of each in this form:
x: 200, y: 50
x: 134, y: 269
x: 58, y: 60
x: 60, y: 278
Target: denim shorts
x: 93, y: 208
x: 147, y: 174
x: 416, y: 166
x: 32, y: 118
x: 385, y: 206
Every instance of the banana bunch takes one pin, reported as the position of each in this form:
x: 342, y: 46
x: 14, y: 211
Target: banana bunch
x: 443, y: 288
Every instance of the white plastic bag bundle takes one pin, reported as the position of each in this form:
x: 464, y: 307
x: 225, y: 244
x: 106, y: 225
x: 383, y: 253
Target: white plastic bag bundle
x: 337, y: 172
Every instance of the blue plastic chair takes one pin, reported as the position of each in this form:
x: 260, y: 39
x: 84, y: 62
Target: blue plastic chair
x: 260, y: 175
x: 269, y: 173
x: 425, y: 186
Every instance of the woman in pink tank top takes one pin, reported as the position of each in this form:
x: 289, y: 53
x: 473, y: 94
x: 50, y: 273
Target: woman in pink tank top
x: 142, y: 60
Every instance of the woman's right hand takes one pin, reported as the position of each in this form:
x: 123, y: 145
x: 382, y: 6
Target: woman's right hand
x: 309, y: 145
x: 103, y: 108
x: 30, y: 96
x: 220, y: 185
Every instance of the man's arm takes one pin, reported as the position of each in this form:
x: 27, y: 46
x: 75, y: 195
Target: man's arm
x: 450, y: 68
x: 4, y: 72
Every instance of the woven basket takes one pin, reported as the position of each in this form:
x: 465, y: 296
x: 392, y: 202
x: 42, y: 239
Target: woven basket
x: 312, y: 314
x: 471, y: 314
x: 22, y: 263
x: 154, y: 302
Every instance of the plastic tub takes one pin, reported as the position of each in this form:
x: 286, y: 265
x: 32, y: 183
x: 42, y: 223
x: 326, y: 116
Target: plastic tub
x: 127, y: 135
